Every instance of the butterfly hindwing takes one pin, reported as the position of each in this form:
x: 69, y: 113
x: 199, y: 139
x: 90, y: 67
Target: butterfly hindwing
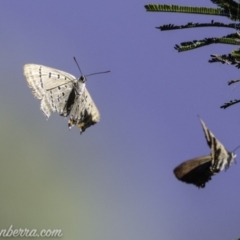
x: 195, y: 171
x: 58, y: 98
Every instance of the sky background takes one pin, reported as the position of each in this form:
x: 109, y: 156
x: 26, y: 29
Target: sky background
x: 115, y: 181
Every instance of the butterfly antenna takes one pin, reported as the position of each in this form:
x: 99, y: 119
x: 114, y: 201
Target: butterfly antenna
x: 236, y: 148
x: 77, y: 65
x: 97, y: 73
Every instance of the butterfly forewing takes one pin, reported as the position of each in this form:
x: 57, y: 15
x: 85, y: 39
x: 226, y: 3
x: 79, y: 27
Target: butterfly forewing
x: 221, y: 158
x: 208, y: 135
x: 42, y: 78
x: 61, y: 92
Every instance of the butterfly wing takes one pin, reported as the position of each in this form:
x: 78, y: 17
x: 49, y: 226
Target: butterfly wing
x: 195, y: 171
x: 221, y: 158
x: 52, y: 86
x: 208, y: 134
x: 84, y: 112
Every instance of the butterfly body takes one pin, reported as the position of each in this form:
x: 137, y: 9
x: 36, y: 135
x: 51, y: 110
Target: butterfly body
x: 63, y: 93
x: 79, y: 85
x: 198, y: 171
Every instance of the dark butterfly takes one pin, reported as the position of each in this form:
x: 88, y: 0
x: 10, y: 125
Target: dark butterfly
x: 198, y: 171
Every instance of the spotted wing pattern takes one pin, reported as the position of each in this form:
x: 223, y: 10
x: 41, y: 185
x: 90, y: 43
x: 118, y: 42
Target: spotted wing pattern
x: 61, y: 92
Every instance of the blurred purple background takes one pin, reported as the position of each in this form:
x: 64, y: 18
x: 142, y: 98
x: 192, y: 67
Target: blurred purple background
x: 116, y: 180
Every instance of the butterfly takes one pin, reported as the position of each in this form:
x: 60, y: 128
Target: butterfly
x: 198, y: 171
x: 61, y: 92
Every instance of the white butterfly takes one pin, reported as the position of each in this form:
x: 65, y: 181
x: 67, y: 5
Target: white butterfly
x: 199, y: 170
x: 63, y: 93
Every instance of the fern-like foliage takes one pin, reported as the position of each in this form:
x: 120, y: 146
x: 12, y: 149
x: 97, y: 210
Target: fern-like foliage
x: 196, y: 25
x: 225, y: 8
x: 230, y: 103
x: 229, y: 39
x: 233, y: 81
x: 228, y: 59
x: 229, y: 6
x: 186, y: 9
